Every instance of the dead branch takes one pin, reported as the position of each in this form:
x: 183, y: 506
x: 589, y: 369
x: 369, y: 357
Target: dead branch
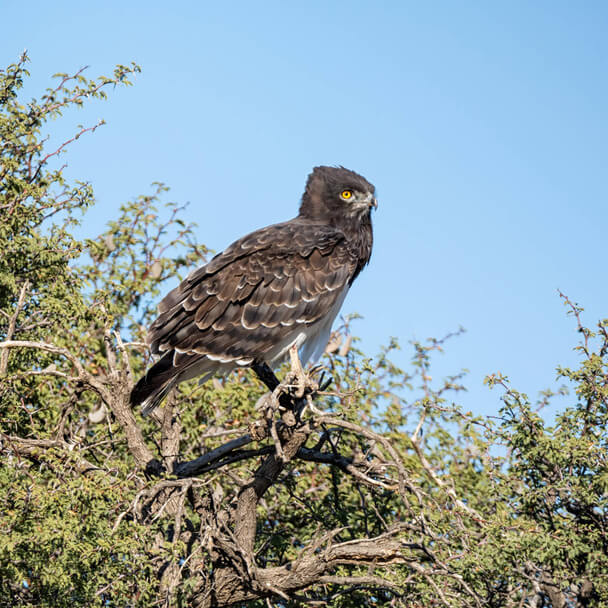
x: 307, y: 570
x: 12, y: 323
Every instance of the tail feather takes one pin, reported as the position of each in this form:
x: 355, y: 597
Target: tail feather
x: 153, y: 387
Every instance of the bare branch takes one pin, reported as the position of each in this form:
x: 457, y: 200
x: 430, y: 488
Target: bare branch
x: 442, y: 484
x: 83, y: 375
x: 12, y: 323
x: 197, y: 466
x: 360, y: 581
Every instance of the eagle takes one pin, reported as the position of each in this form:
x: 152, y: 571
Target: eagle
x: 276, y: 288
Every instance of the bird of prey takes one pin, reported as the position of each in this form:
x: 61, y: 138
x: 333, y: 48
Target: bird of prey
x: 276, y: 288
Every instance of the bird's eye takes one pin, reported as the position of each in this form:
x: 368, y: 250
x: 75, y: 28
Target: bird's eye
x: 346, y: 194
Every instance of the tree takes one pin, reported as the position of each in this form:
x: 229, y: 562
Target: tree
x: 365, y: 485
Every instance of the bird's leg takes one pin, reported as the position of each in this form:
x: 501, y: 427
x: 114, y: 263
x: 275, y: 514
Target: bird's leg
x: 322, y: 382
x: 296, y: 368
x: 265, y: 374
x: 271, y: 403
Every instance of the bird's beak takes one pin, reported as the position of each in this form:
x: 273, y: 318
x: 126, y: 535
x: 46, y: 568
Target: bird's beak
x: 373, y: 203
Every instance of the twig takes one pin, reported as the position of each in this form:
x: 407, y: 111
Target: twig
x: 12, y: 323
x: 34, y: 447
x: 83, y: 375
x: 64, y: 144
x: 344, y: 464
x: 429, y: 469
x: 385, y: 443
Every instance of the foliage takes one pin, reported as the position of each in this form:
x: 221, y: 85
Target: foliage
x: 383, y: 491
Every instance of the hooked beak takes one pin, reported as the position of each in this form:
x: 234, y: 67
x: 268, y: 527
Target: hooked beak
x: 365, y: 203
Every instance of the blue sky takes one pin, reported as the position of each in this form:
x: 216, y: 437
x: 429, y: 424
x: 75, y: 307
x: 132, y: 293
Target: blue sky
x: 483, y: 125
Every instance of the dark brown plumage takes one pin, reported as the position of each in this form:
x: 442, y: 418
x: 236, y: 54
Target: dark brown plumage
x: 276, y: 287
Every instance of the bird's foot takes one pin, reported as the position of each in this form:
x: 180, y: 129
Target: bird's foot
x: 298, y: 378
x: 321, y: 382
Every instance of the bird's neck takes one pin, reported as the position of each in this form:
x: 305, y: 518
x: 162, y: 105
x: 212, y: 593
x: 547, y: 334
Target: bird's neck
x: 359, y: 234
x: 356, y: 228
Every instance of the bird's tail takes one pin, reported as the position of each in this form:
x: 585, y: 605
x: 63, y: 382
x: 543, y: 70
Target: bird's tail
x: 152, y: 388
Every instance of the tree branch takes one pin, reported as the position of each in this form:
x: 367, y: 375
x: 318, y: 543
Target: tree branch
x: 115, y: 397
x: 35, y: 447
x: 344, y: 464
x: 12, y: 323
x: 397, y: 461
x: 200, y: 464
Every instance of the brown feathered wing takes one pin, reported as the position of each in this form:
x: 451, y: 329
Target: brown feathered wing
x: 275, y: 287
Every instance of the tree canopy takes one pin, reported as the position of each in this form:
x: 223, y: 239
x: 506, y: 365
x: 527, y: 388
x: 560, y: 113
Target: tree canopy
x: 366, y: 485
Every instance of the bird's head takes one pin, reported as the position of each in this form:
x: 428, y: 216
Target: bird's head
x: 333, y: 193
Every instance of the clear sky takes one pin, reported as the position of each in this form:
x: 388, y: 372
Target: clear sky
x: 483, y: 126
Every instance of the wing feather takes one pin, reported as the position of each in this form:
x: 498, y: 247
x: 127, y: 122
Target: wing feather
x: 255, y: 294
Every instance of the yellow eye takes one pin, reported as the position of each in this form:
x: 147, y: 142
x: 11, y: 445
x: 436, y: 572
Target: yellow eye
x: 346, y: 194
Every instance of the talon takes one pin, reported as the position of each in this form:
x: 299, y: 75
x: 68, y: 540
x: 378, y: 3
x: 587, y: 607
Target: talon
x: 323, y: 385
x: 315, y: 369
